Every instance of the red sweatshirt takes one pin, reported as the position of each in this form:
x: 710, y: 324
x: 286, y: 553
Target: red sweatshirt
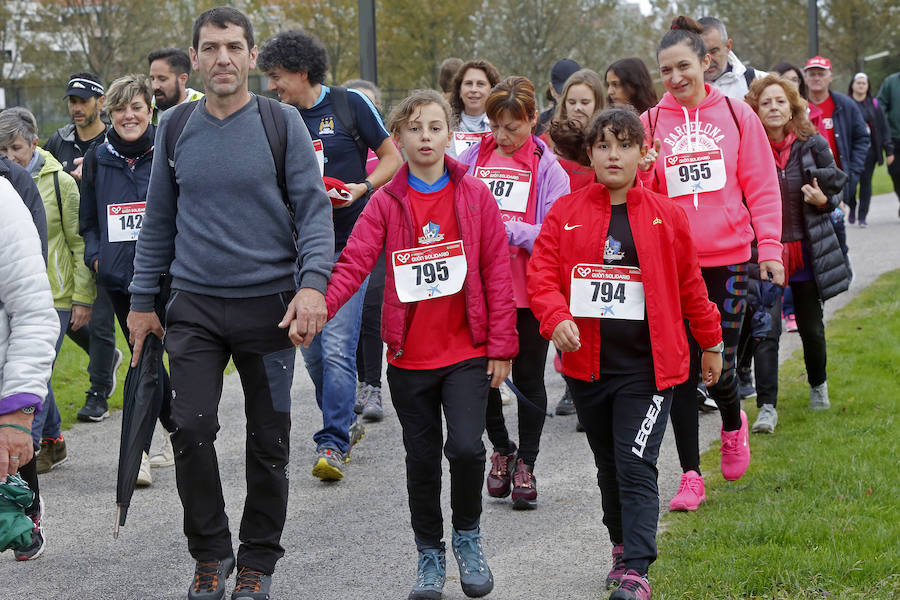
x: 574, y: 232
x: 727, y: 166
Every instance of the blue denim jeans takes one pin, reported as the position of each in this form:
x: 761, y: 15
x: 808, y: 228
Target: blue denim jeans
x: 47, y: 423
x: 331, y: 364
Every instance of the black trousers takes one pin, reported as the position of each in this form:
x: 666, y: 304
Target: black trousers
x: 624, y: 418
x: 370, y: 348
x: 461, y: 391
x: 202, y: 333
x: 894, y: 170
x: 760, y: 353
x: 528, y: 376
x: 727, y: 288
x: 808, y: 310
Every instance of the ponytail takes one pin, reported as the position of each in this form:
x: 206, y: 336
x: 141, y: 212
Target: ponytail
x: 684, y: 30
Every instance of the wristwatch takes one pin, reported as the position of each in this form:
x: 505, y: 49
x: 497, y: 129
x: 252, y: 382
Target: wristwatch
x: 28, y: 410
x: 717, y: 348
x: 369, y: 187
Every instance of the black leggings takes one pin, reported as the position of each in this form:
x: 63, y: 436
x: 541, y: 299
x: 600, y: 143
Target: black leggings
x: 528, y: 376
x: 727, y: 288
x: 370, y: 348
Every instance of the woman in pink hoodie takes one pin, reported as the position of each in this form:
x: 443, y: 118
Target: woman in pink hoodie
x: 714, y: 162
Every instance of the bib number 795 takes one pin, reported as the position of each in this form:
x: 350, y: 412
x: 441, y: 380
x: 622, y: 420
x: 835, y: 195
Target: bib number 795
x: 431, y: 272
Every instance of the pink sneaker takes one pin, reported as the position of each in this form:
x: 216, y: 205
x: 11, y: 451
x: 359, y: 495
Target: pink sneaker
x: 691, y: 492
x: 634, y: 586
x: 790, y: 323
x: 736, y: 451
x: 617, y: 572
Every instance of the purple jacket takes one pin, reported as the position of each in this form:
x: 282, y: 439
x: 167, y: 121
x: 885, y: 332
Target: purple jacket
x: 552, y: 182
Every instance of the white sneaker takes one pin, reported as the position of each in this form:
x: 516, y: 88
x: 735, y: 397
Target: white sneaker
x: 506, y: 394
x: 766, y: 420
x: 818, y: 397
x: 144, y: 478
x: 166, y: 455
x: 117, y: 360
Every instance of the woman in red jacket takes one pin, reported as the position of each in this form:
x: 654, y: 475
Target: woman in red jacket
x: 448, y: 319
x: 716, y: 164
x: 615, y: 310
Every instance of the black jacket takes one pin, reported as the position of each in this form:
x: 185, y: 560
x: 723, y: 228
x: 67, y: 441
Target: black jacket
x: 65, y: 146
x: 23, y: 183
x: 803, y: 221
x: 879, y: 130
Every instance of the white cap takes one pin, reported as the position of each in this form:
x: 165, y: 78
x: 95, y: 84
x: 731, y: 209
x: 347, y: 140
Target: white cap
x: 860, y: 74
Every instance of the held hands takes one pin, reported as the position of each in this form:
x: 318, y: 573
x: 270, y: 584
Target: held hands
x: 772, y: 270
x: 498, y: 370
x: 140, y: 324
x: 813, y: 195
x: 710, y: 367
x: 566, y: 337
x: 81, y: 315
x: 306, y: 316
x: 649, y: 159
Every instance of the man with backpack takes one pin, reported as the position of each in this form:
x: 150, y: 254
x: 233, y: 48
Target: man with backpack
x: 726, y: 71
x: 229, y: 218
x: 344, y: 125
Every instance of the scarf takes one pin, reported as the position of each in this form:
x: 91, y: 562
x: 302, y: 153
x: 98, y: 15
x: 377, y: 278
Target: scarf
x: 130, y: 152
x: 782, y: 149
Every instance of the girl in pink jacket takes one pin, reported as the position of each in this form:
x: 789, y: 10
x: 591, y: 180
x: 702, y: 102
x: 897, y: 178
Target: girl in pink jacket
x: 449, y: 322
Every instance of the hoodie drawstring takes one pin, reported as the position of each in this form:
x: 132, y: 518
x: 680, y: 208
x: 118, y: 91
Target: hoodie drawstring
x: 693, y: 141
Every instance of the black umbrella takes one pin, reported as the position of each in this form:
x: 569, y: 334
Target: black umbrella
x: 140, y: 410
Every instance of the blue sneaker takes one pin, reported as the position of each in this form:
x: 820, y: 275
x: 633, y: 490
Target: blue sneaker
x: 474, y: 574
x: 430, y: 575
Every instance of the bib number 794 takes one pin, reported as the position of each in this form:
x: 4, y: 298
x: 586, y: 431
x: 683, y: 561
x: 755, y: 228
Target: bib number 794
x: 606, y: 291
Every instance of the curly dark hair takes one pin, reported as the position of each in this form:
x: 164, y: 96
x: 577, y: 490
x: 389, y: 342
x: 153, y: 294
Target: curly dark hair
x: 296, y: 51
x: 622, y: 121
x: 568, y: 140
x: 489, y: 70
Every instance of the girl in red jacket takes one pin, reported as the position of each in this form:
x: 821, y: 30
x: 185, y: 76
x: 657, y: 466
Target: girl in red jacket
x: 449, y: 322
x: 615, y: 310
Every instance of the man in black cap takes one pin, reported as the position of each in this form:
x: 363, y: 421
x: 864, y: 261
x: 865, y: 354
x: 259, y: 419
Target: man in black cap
x: 560, y: 72
x: 85, y: 96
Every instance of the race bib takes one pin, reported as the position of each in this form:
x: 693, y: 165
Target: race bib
x: 606, y: 292
x: 124, y: 221
x: 429, y: 272
x: 511, y: 187
x: 691, y: 172
x: 462, y: 140
x: 320, y: 156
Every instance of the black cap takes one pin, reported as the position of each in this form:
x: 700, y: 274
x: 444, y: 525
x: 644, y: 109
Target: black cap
x: 83, y: 88
x: 561, y: 71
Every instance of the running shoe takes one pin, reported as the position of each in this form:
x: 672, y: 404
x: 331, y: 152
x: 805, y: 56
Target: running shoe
x: 704, y: 400
x: 357, y: 433
x: 95, y: 408
x: 634, y: 586
x: 614, y: 577
x: 210, y: 577
x: 524, y: 487
x: 431, y: 574
x: 863, y: 224
x: 566, y: 405
x: 746, y: 388
x: 736, y: 451
x: 328, y: 465
x: 118, y: 357
x: 475, y: 576
x: 818, y: 397
x: 144, y: 477
x: 373, y: 410
x: 53, y: 453
x: 36, y: 547
x: 790, y: 323
x: 166, y: 455
x: 251, y: 584
x: 362, y: 394
x: 500, y: 475
x: 766, y: 420
x: 691, y: 492
x: 852, y: 217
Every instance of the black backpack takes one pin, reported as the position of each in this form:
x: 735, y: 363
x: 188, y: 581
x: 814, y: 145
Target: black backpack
x: 343, y: 113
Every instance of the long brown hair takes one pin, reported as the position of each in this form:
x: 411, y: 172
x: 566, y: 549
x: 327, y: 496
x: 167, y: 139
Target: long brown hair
x: 799, y: 123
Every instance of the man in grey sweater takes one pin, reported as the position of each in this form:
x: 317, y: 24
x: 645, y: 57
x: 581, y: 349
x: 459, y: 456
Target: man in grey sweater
x: 223, y: 232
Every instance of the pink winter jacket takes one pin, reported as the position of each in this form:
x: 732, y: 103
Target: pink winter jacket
x: 386, y: 223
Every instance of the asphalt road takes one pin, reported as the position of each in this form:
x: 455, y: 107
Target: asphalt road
x: 352, y: 539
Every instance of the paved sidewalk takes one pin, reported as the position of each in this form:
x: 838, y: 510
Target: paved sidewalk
x: 352, y: 539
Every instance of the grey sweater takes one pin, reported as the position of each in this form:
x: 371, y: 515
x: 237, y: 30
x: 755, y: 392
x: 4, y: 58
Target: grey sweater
x: 228, y: 233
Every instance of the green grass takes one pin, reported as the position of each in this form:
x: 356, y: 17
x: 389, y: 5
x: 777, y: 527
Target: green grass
x: 881, y: 181
x: 818, y: 513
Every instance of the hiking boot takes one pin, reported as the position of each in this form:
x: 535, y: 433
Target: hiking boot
x: 36, y: 547
x: 328, y: 465
x: 632, y: 587
x: 766, y: 420
x: 614, y: 577
x: 500, y: 475
x: 373, y: 411
x: 210, y: 577
x: 53, y: 453
x: 475, y: 576
x: 95, y: 408
x: 144, y: 477
x: 818, y: 397
x: 166, y: 455
x: 691, y: 492
x: 704, y: 400
x: 357, y: 432
x: 735, y: 451
x: 431, y: 574
x: 566, y: 405
x: 524, y: 491
x: 251, y: 585
x: 362, y: 394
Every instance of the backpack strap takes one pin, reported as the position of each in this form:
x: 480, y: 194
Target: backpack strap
x: 341, y: 101
x: 62, y: 219
x: 276, y: 133
x: 749, y: 76
x: 179, y: 118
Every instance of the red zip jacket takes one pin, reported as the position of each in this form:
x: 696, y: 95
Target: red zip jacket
x: 386, y: 223
x: 575, y: 232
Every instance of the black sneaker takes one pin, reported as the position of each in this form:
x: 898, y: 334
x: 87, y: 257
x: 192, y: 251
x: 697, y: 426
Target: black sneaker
x: 95, y: 408
x: 209, y: 579
x: 251, y: 585
x: 36, y: 547
x: 566, y: 405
